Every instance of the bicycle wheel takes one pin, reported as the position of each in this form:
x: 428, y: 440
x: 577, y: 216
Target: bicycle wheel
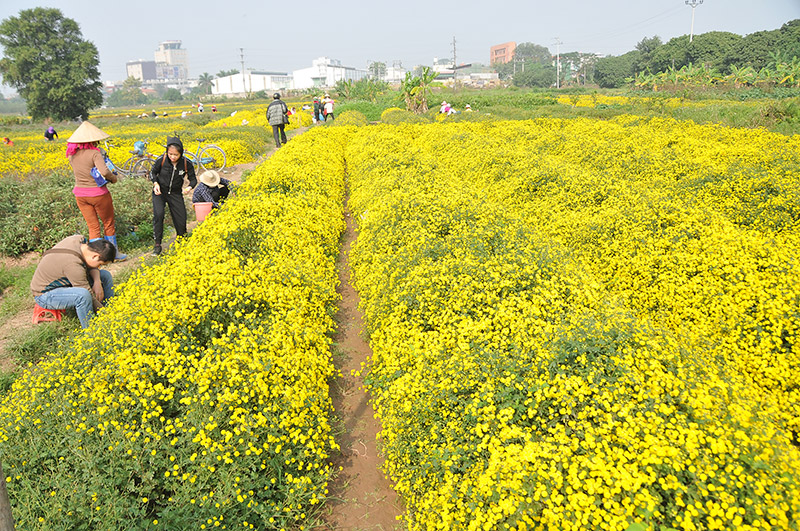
x: 127, y: 166
x: 142, y: 168
x: 191, y: 158
x: 212, y: 158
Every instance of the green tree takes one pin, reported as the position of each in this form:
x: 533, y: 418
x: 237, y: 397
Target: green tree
x: 646, y: 48
x: 754, y: 50
x: 530, y: 52
x: 131, y: 92
x: 789, y: 39
x: 52, y: 67
x: 172, y: 95
x: 205, y: 82
x: 613, y: 71
x: 226, y: 73
x: 536, y: 75
x: 377, y: 70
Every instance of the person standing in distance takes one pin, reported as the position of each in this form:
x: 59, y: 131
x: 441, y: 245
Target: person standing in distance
x: 168, y: 174
x: 277, y: 118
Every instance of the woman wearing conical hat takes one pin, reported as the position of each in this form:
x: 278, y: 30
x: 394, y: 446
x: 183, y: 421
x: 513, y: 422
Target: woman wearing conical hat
x: 92, y: 175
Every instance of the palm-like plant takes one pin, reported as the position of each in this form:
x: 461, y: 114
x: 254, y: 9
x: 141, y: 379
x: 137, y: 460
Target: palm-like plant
x: 205, y: 82
x: 416, y: 90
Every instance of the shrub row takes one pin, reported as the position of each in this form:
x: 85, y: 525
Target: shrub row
x: 199, y: 397
x: 561, y: 340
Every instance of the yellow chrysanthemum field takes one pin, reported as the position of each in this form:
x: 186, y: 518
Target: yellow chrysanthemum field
x: 575, y: 324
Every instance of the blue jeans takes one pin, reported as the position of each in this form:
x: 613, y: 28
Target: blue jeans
x: 78, y: 298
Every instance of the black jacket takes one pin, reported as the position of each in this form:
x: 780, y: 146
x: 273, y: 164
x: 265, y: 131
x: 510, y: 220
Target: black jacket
x: 169, y: 176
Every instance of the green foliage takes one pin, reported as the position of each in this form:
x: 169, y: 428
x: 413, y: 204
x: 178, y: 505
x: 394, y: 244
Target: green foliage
x: 173, y: 95
x: 33, y: 344
x: 613, y: 72
x: 416, y: 89
x: 47, y: 60
x: 527, y: 51
x: 377, y: 69
x: 371, y: 110
x: 13, y: 106
x: 205, y: 82
x: 536, y: 75
x: 16, y: 283
x: 40, y: 211
x: 129, y: 94
x: 364, y: 89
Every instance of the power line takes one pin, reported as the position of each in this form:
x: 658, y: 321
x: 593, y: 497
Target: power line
x: 622, y: 30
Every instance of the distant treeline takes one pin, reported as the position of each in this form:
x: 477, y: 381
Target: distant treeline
x: 717, y: 50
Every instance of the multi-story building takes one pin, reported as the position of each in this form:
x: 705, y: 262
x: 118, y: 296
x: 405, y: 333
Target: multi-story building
x: 142, y: 70
x: 502, y: 53
x: 172, y: 61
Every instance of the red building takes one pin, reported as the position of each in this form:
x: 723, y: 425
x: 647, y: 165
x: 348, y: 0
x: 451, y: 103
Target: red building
x: 502, y: 53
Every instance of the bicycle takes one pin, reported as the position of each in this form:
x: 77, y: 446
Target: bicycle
x: 135, y: 165
x: 208, y: 157
x: 141, y: 161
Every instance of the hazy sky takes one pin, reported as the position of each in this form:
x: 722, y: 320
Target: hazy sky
x: 287, y: 36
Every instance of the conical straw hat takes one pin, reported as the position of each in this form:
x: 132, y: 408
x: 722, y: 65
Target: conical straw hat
x: 87, y: 132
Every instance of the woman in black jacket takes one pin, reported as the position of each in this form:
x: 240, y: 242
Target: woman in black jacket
x: 168, y: 175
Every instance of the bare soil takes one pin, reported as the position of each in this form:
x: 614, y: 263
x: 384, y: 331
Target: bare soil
x: 361, y: 497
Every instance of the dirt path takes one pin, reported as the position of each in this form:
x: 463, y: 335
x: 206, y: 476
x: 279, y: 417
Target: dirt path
x: 361, y: 498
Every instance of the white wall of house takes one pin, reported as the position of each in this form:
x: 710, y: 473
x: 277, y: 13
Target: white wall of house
x: 325, y: 72
x: 251, y: 81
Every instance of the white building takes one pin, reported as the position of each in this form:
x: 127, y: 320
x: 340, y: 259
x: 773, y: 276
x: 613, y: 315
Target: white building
x: 326, y: 72
x: 172, y: 61
x: 394, y: 74
x: 238, y: 85
x: 141, y: 70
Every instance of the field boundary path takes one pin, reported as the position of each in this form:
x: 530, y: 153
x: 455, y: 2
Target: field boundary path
x: 361, y: 497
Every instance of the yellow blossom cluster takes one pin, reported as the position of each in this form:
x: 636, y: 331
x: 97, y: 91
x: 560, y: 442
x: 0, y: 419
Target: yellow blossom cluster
x: 257, y: 117
x: 31, y: 153
x: 583, y: 324
x: 593, y: 100
x: 199, y: 397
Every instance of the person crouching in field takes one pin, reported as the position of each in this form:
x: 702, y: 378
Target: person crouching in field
x: 211, y: 189
x: 168, y: 174
x: 68, y: 276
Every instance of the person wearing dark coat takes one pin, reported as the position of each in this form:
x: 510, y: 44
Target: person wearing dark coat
x: 50, y: 133
x: 168, y: 175
x: 277, y: 118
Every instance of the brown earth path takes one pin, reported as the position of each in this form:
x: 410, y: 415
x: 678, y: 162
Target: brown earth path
x: 361, y: 497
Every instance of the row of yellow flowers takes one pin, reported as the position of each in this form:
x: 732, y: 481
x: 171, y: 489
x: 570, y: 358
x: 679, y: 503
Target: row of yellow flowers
x: 199, y: 397
x: 243, y: 137
x: 583, y: 324
x: 593, y: 100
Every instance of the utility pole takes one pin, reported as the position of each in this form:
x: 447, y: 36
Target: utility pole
x: 244, y: 85
x: 693, y: 4
x: 454, y: 66
x: 558, y: 62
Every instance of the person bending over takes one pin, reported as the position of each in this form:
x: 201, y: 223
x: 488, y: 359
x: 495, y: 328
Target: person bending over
x: 68, y: 276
